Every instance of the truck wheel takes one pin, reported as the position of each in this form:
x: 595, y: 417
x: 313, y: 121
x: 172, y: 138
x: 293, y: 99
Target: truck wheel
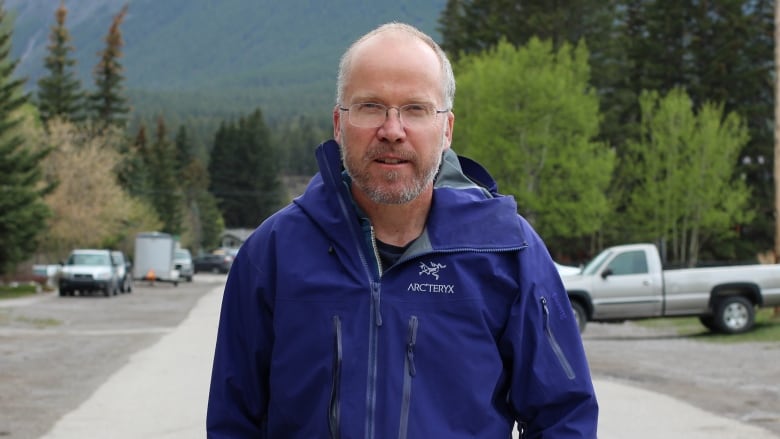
x: 734, y: 315
x: 579, y: 315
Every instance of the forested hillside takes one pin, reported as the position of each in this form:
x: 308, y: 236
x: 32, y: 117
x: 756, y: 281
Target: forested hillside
x: 609, y: 122
x: 207, y: 56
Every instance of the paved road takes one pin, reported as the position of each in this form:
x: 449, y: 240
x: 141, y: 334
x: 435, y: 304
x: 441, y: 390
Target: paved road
x: 161, y: 393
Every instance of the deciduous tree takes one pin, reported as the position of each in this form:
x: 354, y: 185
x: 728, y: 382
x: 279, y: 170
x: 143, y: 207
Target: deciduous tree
x: 682, y: 171
x: 529, y: 115
x: 90, y: 207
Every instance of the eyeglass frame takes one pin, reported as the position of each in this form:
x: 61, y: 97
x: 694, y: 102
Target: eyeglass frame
x: 398, y: 108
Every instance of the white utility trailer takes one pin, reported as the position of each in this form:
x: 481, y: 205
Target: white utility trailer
x: 154, y: 258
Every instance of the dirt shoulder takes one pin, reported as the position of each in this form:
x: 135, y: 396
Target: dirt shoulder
x: 737, y: 380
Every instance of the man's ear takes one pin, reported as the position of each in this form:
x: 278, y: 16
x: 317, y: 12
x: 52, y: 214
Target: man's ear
x: 337, y: 124
x: 448, y: 129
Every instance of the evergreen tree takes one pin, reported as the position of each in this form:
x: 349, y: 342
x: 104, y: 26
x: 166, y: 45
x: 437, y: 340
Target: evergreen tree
x: 243, y: 170
x: 296, y: 143
x: 165, y: 193
x: 108, y: 102
x: 132, y: 171
x: 183, y: 147
x: 23, y: 213
x: 202, y: 220
x: 59, y: 93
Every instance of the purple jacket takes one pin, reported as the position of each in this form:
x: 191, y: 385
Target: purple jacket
x: 468, y: 333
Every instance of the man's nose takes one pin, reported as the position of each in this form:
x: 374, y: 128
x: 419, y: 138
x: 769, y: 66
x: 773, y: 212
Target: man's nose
x: 393, y: 129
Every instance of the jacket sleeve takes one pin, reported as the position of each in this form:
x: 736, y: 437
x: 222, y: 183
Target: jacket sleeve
x: 551, y: 388
x: 238, y: 396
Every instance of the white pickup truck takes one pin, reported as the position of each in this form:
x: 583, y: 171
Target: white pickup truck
x: 628, y: 282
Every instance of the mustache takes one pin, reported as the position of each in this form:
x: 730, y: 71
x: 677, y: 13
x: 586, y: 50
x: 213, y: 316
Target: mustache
x: 381, y: 150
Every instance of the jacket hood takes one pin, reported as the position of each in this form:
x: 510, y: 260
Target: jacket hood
x: 467, y: 211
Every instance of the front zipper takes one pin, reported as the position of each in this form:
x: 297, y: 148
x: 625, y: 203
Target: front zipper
x: 371, y: 379
x: 554, y: 343
x: 375, y: 293
x: 334, y: 409
x: 375, y: 319
x: 409, y: 372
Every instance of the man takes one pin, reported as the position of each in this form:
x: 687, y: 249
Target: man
x: 400, y: 295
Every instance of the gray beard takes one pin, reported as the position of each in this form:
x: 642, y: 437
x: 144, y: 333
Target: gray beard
x: 381, y: 195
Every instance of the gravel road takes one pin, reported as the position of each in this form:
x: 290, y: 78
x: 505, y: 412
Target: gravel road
x: 55, y: 352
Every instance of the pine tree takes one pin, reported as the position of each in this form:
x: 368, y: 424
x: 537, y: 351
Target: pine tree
x: 202, y: 220
x: 132, y: 171
x: 59, y: 93
x: 243, y: 170
x: 183, y: 148
x: 23, y: 213
x: 165, y: 194
x: 108, y: 103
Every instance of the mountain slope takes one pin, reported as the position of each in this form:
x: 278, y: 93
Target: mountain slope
x: 242, y: 50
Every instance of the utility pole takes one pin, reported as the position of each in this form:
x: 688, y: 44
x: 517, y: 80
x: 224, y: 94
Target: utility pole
x: 776, y: 176
x: 777, y: 134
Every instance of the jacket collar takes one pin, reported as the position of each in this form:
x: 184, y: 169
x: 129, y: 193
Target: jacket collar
x: 467, y: 212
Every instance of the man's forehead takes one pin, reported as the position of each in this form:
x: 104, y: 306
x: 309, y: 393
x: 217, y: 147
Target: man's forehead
x: 389, y: 39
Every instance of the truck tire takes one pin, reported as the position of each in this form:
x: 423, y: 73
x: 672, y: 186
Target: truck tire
x: 579, y: 316
x: 734, y: 315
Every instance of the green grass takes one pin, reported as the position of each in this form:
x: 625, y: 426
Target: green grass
x: 9, y: 292
x: 39, y: 322
x: 766, y: 329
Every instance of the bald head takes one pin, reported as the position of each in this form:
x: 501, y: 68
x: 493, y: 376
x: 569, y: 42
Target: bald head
x: 397, y: 30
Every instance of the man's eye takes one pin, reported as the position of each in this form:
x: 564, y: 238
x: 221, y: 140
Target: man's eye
x: 370, y: 107
x: 415, y: 109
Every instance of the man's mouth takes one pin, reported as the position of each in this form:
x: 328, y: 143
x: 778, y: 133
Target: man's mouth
x: 390, y: 161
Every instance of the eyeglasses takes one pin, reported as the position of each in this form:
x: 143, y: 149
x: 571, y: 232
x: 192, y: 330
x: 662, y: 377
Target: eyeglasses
x: 373, y: 115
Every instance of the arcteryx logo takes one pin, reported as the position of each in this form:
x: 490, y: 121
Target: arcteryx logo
x: 431, y: 269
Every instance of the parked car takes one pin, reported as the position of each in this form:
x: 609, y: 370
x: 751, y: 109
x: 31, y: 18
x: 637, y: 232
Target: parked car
x: 124, y: 271
x: 212, y: 263
x: 182, y: 261
x: 88, y: 270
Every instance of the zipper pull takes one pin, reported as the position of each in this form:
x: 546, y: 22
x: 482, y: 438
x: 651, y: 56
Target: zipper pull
x: 544, y: 307
x: 375, y: 296
x: 411, y: 343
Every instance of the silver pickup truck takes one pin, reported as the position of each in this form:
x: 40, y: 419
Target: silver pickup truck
x: 628, y: 282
